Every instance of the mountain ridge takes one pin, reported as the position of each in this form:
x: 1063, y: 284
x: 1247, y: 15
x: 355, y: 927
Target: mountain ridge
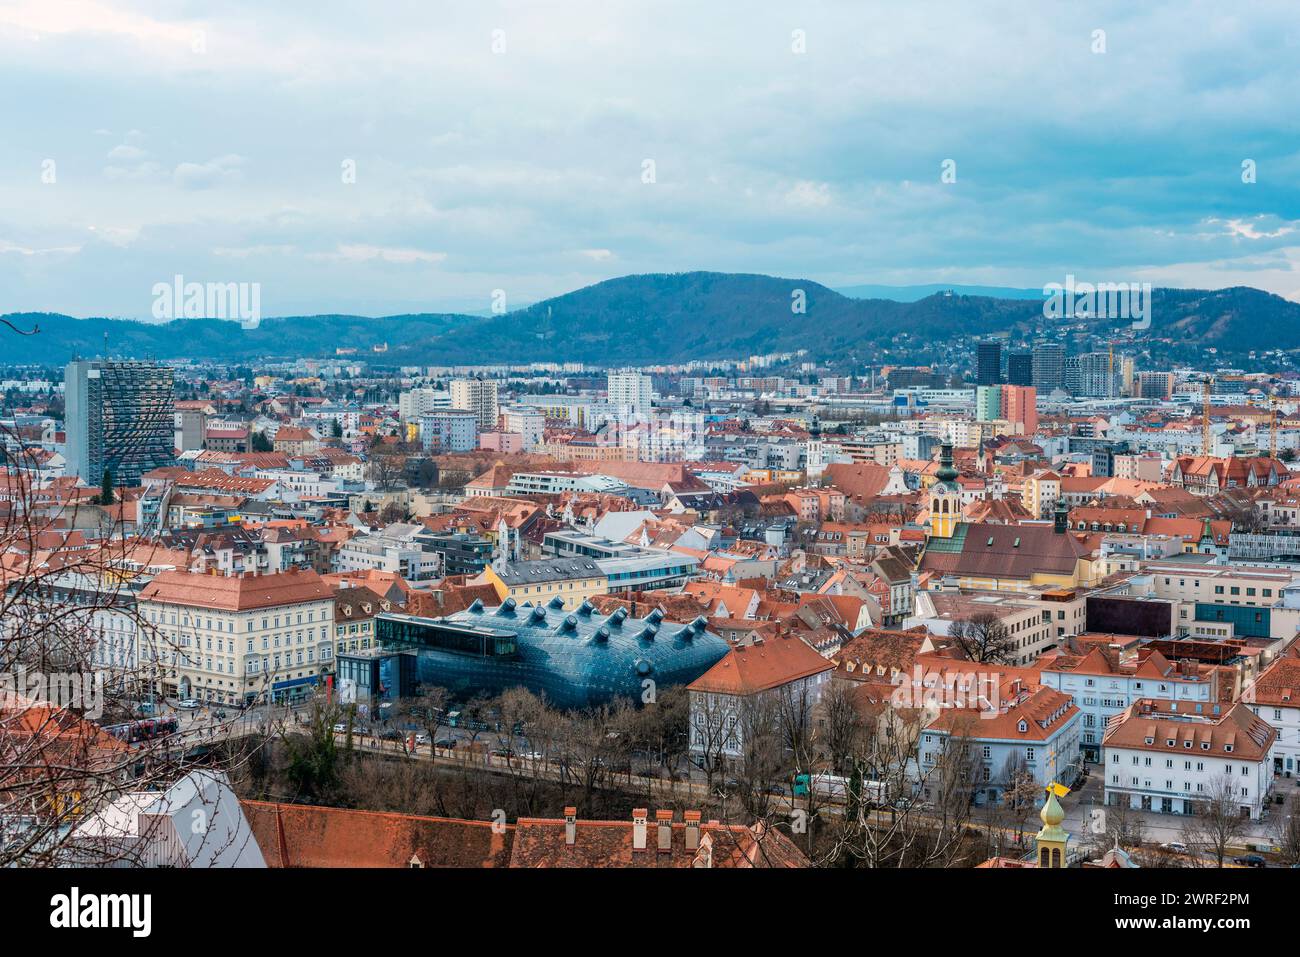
x: 670, y: 317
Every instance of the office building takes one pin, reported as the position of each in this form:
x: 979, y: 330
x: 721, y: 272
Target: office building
x: 119, y: 418
x: 988, y: 363
x: 1020, y: 368
x: 1048, y: 367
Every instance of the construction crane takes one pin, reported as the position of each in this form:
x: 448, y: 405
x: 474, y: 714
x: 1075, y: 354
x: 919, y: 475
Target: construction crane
x: 1205, y: 416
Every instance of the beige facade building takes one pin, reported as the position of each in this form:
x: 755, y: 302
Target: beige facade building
x: 230, y: 639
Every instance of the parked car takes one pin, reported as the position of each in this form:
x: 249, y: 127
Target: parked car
x: 903, y: 804
x: 421, y: 737
x: 448, y: 743
x: 189, y: 704
x: 220, y: 715
x: 1249, y: 860
x: 340, y: 728
x: 1177, y: 847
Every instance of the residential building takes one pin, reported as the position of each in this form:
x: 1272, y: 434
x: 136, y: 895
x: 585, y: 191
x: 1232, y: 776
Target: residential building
x: 449, y: 430
x: 1169, y: 756
x: 630, y: 392
x: 1275, y: 697
x: 782, y: 668
x: 1024, y: 730
x: 478, y: 396
x: 1103, y: 685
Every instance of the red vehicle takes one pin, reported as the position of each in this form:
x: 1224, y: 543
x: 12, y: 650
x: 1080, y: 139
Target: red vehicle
x: 147, y: 729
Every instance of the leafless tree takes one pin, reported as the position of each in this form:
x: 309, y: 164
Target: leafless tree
x: 1285, y: 830
x: 1216, y: 822
x: 844, y: 728
x: 713, y: 721
x: 1124, y: 828
x: 983, y: 638
x: 77, y: 661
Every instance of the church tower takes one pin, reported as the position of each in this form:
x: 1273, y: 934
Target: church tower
x: 945, y: 497
x: 1051, y: 840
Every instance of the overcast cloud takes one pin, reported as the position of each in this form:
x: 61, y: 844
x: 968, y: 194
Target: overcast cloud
x: 216, y: 145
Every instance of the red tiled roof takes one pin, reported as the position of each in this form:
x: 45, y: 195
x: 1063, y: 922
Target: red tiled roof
x: 236, y: 593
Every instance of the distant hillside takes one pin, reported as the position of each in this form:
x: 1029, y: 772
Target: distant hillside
x: 913, y: 293
x: 665, y: 318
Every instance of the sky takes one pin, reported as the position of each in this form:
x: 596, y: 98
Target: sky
x: 394, y: 157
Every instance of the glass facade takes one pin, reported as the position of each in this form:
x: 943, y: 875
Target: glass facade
x: 577, y: 659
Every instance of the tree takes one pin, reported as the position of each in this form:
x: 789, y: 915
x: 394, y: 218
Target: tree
x: 982, y: 638
x: 843, y: 728
x: 1285, y: 830
x: 712, y: 732
x: 1020, y: 792
x: 1216, y: 822
x: 336, y: 429
x: 261, y: 443
x: 106, y: 489
x: 313, y: 753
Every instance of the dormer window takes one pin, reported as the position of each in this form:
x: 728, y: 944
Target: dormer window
x: 1227, y: 747
x: 1205, y: 745
x: 1023, y: 726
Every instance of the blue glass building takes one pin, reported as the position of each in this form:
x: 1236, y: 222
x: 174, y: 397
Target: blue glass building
x: 577, y: 659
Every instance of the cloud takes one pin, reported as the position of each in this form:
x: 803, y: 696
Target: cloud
x: 807, y: 193
x: 505, y: 170
x: 222, y: 171
x: 360, y: 253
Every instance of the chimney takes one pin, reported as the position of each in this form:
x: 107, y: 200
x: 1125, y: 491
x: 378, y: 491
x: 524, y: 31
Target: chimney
x: 570, y: 825
x: 665, y: 829
x: 692, y: 830
x: 638, y: 828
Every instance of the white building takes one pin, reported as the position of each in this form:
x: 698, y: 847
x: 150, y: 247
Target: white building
x: 1103, y: 686
x: 630, y: 392
x: 786, y: 666
x: 1275, y: 697
x: 395, y: 550
x: 449, y: 430
x: 478, y: 396
x: 413, y: 403
x: 530, y: 423
x: 1168, y: 756
x: 1031, y: 732
x: 197, y: 822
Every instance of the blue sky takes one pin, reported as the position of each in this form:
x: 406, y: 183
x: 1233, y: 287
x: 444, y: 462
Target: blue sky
x: 209, y: 140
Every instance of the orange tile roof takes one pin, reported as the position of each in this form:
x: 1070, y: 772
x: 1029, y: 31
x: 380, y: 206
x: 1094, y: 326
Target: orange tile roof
x: 1151, y: 724
x: 293, y: 835
x: 237, y: 593
x: 761, y: 666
